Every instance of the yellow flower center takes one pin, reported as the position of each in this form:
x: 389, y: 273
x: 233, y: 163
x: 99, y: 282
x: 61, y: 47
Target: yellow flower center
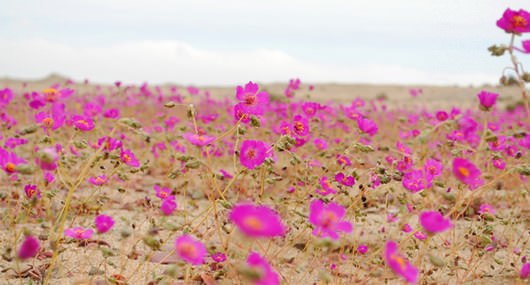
x: 48, y: 122
x: 328, y: 218
x: 400, y: 261
x: 50, y: 94
x: 464, y: 171
x: 126, y: 158
x: 187, y: 249
x: 518, y: 21
x: 251, y: 154
x: 83, y: 122
x: 253, y: 223
x: 10, y: 167
x: 299, y: 126
x: 79, y: 233
x: 250, y: 99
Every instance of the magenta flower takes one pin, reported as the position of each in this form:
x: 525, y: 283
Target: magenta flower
x: 362, y: 249
x: 9, y: 161
x: 487, y: 100
x: 253, y: 101
x: 241, y: 113
x: 432, y: 168
x: 162, y: 193
x: 320, y: 143
x: 6, y: 95
x: 344, y: 180
x: 498, y: 163
x: 79, y: 233
x: 515, y: 22
x: 128, y: 158
x: 434, y: 222
x: 104, y: 223
x: 198, y: 140
x: 253, y: 153
x: 414, y: 181
x: 310, y: 108
x: 109, y: 144
x: 112, y: 113
x: 82, y: 123
x: 525, y: 270
x: 466, y: 171
x: 29, y: 248
x: 300, y: 126
x: 168, y: 205
x: 257, y: 221
x: 367, y: 126
x: 343, y: 160
x: 420, y: 235
x: 32, y: 191
x: 47, y: 158
x: 99, y: 180
x: 486, y: 209
x: 218, y: 257
x: 190, y: 250
x: 399, y: 264
x: 327, y: 219
x: 267, y: 276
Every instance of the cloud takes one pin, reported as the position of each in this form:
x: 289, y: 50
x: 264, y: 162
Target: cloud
x: 182, y: 63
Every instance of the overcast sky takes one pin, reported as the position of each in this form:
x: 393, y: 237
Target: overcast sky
x: 212, y: 42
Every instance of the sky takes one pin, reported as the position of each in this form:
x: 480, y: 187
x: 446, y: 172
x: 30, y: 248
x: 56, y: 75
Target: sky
x: 213, y: 42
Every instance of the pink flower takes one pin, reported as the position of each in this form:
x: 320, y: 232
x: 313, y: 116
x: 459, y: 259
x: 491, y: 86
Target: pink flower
x: 104, y: 223
x: 82, y: 123
x: 498, y: 163
x: 343, y: 160
x: 515, y: 22
x: 198, y: 140
x: 310, y: 108
x: 32, y: 191
x: 320, y: 143
x: 29, y: 248
x: 486, y: 209
x: 128, y: 158
x: 406, y: 228
x: 168, y: 205
x: 362, y: 249
x: 327, y: 219
x: 367, y: 126
x: 300, y: 126
x: 525, y: 270
x: 257, y: 221
x: 466, y: 171
x: 79, y: 233
x: 434, y: 222
x: 112, y: 113
x: 6, y: 95
x: 99, y: 180
x: 253, y: 101
x: 267, y: 276
x: 414, y: 181
x: 420, y: 235
x: 399, y: 264
x: 9, y: 161
x: 253, y: 153
x: 487, y: 100
x: 162, y: 193
x: 190, y: 250
x: 109, y: 144
x: 326, y: 186
x: 218, y: 257
x: 345, y: 180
